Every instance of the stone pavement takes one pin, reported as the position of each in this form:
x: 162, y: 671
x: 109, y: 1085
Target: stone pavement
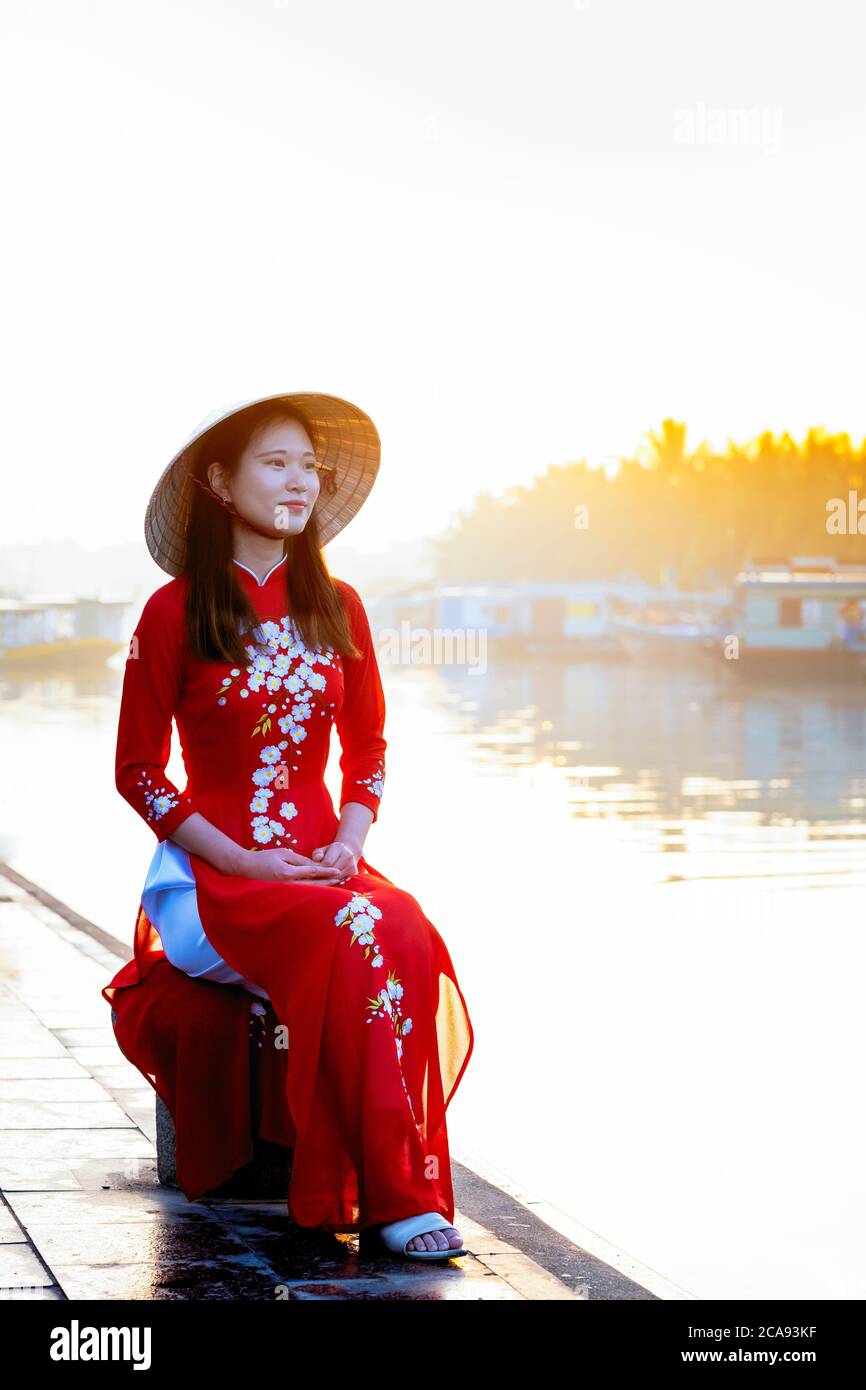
x: 83, y: 1216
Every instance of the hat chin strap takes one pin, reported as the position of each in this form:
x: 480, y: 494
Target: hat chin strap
x: 230, y: 507
x: 250, y: 524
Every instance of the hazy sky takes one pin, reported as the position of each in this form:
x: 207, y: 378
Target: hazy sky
x: 515, y: 234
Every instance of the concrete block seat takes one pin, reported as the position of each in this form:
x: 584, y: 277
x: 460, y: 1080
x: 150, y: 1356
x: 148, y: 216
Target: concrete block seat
x: 223, y: 1127
x: 266, y: 1175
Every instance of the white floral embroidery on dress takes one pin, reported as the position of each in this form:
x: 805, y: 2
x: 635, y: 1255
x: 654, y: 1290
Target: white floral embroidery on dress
x: 272, y: 660
x: 376, y: 781
x: 158, y: 801
x: 362, y: 916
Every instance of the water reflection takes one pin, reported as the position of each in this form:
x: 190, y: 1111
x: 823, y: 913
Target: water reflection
x: 734, y: 780
x: 644, y: 847
x: 62, y: 686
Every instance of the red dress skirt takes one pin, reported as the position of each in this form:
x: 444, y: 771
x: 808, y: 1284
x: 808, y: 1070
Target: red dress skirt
x: 373, y: 1033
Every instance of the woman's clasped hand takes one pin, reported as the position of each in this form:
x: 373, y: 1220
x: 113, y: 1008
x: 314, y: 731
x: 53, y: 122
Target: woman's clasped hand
x: 330, y: 864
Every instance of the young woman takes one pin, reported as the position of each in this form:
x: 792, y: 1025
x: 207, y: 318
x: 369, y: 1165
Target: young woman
x: 256, y: 651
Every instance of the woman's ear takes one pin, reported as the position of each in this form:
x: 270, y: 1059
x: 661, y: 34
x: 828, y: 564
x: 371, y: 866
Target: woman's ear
x: 215, y: 476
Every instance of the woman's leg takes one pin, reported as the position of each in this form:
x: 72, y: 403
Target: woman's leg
x: 369, y: 1156
x: 378, y: 1037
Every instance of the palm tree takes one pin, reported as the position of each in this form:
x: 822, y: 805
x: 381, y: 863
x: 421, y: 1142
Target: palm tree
x: 667, y: 452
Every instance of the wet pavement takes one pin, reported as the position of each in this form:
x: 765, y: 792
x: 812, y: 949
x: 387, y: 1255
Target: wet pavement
x: 83, y: 1215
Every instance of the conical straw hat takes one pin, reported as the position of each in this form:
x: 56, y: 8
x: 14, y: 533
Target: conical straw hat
x: 347, y: 442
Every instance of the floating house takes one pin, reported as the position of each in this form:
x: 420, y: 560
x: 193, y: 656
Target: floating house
x: 801, y: 616
x: 531, y: 616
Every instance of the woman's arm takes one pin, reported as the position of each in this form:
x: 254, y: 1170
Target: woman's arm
x: 151, y: 689
x: 355, y: 821
x: 360, y: 725
x: 200, y: 836
x: 151, y: 686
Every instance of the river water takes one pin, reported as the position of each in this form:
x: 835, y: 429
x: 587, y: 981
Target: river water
x: 652, y: 886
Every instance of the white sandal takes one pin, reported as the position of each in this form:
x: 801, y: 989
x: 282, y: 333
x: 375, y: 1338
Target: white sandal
x: 397, y: 1234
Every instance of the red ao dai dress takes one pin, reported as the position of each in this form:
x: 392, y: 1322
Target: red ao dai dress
x: 377, y: 1030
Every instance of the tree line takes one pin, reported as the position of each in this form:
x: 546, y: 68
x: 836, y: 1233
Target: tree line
x: 690, y: 515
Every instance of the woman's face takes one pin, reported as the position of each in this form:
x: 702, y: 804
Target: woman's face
x: 276, y: 482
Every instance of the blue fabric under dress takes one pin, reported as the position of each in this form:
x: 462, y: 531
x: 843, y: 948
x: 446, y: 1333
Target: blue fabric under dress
x: 169, y: 899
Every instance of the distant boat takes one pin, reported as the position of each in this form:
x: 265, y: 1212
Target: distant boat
x: 796, y: 618
x: 61, y: 628
x: 669, y: 625
x: 684, y: 639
